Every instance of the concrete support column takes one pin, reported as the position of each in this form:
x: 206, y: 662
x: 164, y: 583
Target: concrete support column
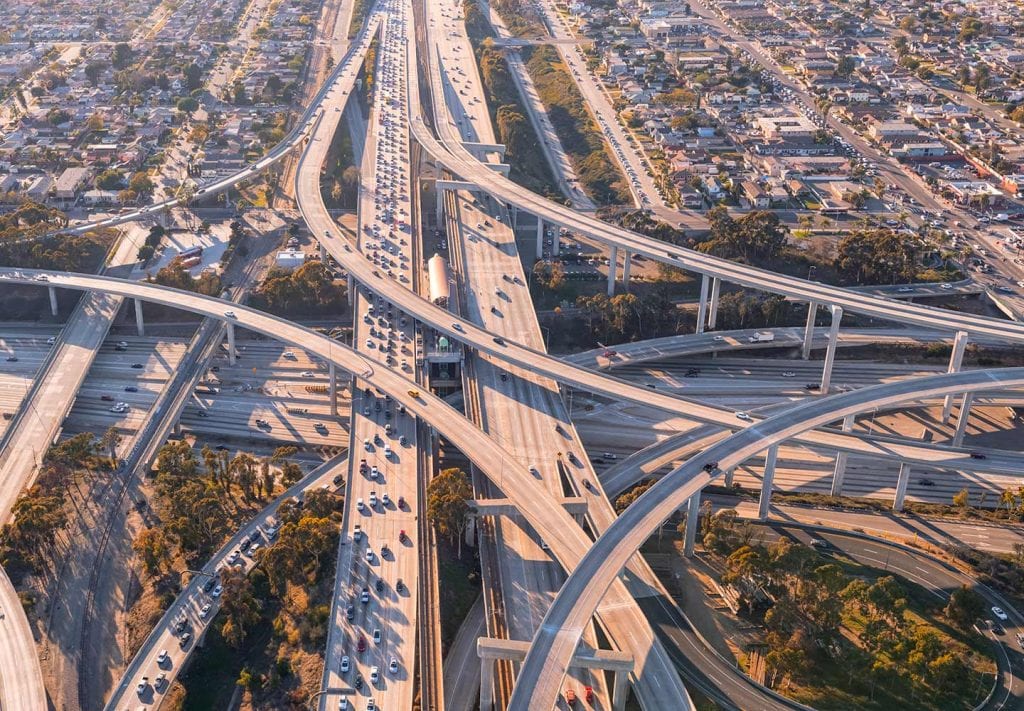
x: 840, y: 470
x: 323, y: 253
x: 812, y: 313
x: 53, y: 300
x: 555, y: 246
x: 231, y: 342
x: 692, y: 522
x: 702, y: 308
x: 351, y: 287
x: 540, y: 238
x: 487, y: 684
x: 901, y: 487
x: 956, y: 358
x: 730, y: 477
x: 767, y: 482
x: 613, y: 265
x: 627, y: 263
x: 619, y: 691
x: 830, y: 352
x: 139, y: 326
x: 333, y: 388
x: 962, y: 418
x: 515, y: 217
x: 716, y: 286
x: 439, y: 203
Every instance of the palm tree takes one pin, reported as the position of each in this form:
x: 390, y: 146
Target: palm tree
x: 109, y: 441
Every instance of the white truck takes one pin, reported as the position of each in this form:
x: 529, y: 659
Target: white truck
x: 762, y: 337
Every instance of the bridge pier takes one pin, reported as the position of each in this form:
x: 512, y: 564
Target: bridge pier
x: 627, y: 262
x: 812, y: 313
x: 619, y: 691
x: 515, y: 218
x: 140, y: 327
x: 555, y: 246
x: 702, y: 308
x: 962, y: 418
x: 333, y: 388
x: 613, y: 265
x: 716, y: 285
x: 53, y: 300
x: 540, y: 238
x: 830, y: 352
x: 231, y: 342
x: 486, y: 684
x: 839, y: 473
x: 767, y: 482
x: 901, y: 487
x: 692, y: 523
x: 956, y: 359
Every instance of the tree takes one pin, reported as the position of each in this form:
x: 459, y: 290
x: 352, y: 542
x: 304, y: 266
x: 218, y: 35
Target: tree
x: 549, y: 274
x: 109, y: 441
x: 110, y: 179
x: 141, y: 183
x: 187, y: 105
x: 627, y: 498
x: 756, y: 236
x: 122, y: 55
x: 877, y: 257
x: 447, y: 507
x: 845, y: 66
x: 95, y: 122
x: 964, y: 607
x: 240, y: 609
x: 94, y: 70
x: 152, y: 547
x: 193, y: 75
x: 962, y: 499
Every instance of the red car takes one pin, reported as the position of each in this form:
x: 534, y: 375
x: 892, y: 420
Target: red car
x: 570, y: 698
x: 401, y: 503
x: 361, y: 647
x: 588, y: 694
x: 401, y: 536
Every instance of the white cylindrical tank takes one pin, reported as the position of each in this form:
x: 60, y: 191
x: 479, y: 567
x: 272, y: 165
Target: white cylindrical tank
x: 439, y: 278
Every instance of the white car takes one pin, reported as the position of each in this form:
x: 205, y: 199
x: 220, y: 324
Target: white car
x: 998, y: 612
x: 230, y: 314
x: 743, y: 416
x: 204, y: 611
x: 162, y: 657
x: 374, y: 675
x: 393, y: 666
x: 345, y: 664
x: 217, y: 592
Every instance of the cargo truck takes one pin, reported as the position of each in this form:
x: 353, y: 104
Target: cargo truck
x: 762, y: 337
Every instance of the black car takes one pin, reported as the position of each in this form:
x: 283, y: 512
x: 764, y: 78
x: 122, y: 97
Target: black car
x: 379, y: 585
x: 131, y: 389
x: 710, y: 466
x: 138, y: 366
x: 978, y: 455
x: 499, y: 340
x: 12, y: 359
x: 208, y: 585
x: 812, y: 386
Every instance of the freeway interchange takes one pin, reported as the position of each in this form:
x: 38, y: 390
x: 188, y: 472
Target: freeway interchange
x: 516, y: 412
